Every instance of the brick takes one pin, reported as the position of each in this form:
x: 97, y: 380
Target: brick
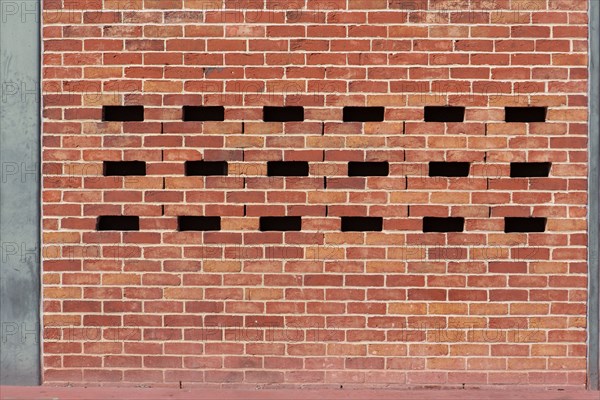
x: 403, y: 290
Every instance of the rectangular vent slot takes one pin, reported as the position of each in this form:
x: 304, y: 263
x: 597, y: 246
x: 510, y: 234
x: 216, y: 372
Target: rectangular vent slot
x: 287, y: 168
x: 375, y: 168
x: 118, y: 223
x: 283, y: 114
x: 123, y: 113
x: 205, y: 168
x: 362, y: 224
x: 524, y: 224
x: 203, y: 113
x: 452, y: 169
x: 280, y: 223
x: 124, y: 168
x: 439, y: 224
x: 364, y: 114
x: 525, y: 114
x: 530, y: 170
x: 444, y: 114
x: 193, y: 223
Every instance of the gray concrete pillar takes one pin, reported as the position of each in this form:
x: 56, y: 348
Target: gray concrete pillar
x: 19, y: 192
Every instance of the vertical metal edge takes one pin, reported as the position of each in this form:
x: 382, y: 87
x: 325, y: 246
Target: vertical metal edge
x: 593, y: 380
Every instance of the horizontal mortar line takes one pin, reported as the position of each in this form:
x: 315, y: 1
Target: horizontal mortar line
x: 345, y: 302
x: 390, y: 27
x: 303, y: 51
x: 389, y: 288
x: 309, y: 52
x: 364, y: 24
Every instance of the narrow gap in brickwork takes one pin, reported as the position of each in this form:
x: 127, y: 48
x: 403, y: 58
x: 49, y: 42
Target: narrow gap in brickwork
x: 444, y: 114
x: 323, y: 158
x: 487, y: 179
x: 524, y: 224
x: 443, y: 224
x: 283, y: 114
x: 362, y: 224
x: 280, y: 224
x: 327, y: 211
x: 408, y: 210
x: 370, y: 168
x: 203, y: 113
x: 530, y: 170
x: 364, y: 114
x: 194, y: 223
x: 118, y: 223
x: 243, y: 128
x: 323, y: 132
x: 162, y: 127
x: 525, y: 114
x: 489, y: 212
x: 124, y: 168
x: 162, y: 210
x: 287, y: 168
x: 324, y: 182
x: 404, y: 133
x: 122, y: 113
x: 245, y: 208
x: 164, y: 183
x: 205, y: 168
x: 452, y: 169
x: 405, y: 182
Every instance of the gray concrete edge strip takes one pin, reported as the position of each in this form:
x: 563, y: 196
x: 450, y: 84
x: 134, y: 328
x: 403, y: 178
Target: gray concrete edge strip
x: 20, y: 225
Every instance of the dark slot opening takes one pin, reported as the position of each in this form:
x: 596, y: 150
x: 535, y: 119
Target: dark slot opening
x: 122, y: 113
x: 444, y: 114
x: 280, y: 223
x: 287, y: 168
x: 124, y: 168
x: 203, y: 113
x: 205, y: 168
x: 364, y: 114
x: 118, y: 223
x: 439, y: 224
x: 443, y: 168
x: 525, y: 114
x: 193, y: 223
x: 362, y: 224
x: 524, y: 224
x: 374, y: 168
x: 532, y: 169
x: 283, y: 114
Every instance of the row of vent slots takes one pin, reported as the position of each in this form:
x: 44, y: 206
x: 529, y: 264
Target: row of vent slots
x: 350, y: 114
x: 301, y: 168
x: 349, y: 224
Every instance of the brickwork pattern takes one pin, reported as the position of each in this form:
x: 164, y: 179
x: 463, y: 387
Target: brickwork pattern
x: 440, y: 287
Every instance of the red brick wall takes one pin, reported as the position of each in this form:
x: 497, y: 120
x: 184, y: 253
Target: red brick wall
x: 238, y: 306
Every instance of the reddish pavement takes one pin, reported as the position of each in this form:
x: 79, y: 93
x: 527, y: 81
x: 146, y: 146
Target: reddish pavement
x: 119, y: 393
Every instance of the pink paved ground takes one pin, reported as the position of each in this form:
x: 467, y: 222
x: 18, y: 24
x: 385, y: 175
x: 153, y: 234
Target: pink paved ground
x: 104, y: 393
